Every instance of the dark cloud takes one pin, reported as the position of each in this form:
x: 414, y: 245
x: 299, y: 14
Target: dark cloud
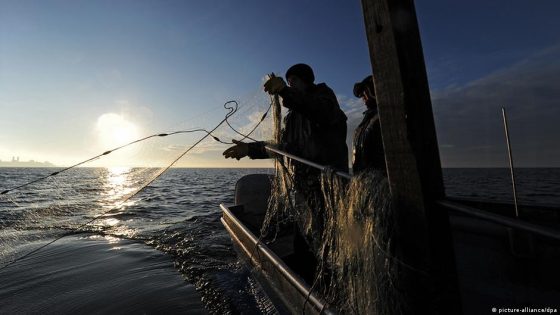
x: 469, y: 119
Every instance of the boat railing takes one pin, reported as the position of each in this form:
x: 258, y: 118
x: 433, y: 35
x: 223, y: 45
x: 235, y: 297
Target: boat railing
x: 500, y: 219
x: 307, y: 162
x: 450, y: 205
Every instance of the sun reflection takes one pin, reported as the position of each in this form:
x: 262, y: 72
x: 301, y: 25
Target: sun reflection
x: 110, y: 222
x: 112, y: 239
x: 118, y: 171
x: 117, y: 180
x: 113, y: 228
x: 117, y: 184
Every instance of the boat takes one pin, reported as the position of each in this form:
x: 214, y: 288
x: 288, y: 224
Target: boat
x: 270, y: 262
x: 500, y: 262
x: 481, y: 257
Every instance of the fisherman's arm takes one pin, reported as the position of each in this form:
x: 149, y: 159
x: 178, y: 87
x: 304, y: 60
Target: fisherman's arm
x: 254, y: 150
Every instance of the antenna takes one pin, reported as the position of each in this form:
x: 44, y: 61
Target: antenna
x: 510, y: 162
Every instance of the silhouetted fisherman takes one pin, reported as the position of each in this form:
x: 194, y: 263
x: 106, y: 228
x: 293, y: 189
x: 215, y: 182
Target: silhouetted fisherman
x: 368, y: 150
x: 314, y: 129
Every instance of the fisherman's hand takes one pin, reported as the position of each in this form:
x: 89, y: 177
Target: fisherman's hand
x: 238, y: 151
x: 274, y: 85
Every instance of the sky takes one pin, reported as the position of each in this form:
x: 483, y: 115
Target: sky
x: 80, y: 77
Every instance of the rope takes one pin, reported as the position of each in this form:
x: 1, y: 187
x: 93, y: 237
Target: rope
x: 208, y: 133
x: 107, y: 153
x: 247, y: 136
x: 232, y: 110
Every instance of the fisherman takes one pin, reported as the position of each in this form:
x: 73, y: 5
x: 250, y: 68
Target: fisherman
x: 368, y: 152
x: 314, y: 129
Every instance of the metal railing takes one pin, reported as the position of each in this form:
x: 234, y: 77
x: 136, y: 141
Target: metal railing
x: 478, y: 213
x: 307, y: 162
x: 500, y: 219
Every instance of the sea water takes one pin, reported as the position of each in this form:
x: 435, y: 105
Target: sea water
x: 535, y: 186
x: 166, y: 250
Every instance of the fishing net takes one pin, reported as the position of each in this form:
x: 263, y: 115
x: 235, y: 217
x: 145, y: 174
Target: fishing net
x: 358, y: 270
x: 347, y: 226
x: 38, y: 206
x: 90, y: 199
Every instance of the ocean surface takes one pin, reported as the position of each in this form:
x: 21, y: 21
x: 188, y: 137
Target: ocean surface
x: 534, y: 186
x: 162, y: 251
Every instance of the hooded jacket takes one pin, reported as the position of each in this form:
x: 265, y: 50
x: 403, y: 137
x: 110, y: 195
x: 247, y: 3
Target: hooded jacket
x: 314, y: 129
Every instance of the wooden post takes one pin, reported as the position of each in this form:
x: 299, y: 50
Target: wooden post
x: 423, y: 236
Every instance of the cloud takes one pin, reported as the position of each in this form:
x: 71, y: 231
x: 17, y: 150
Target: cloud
x: 469, y: 120
x: 353, y: 108
x: 468, y: 117
x: 247, y: 119
x: 224, y: 134
x: 173, y: 148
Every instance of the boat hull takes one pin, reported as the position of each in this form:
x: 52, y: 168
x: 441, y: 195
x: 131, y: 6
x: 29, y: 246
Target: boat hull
x: 496, y: 265
x: 286, y: 289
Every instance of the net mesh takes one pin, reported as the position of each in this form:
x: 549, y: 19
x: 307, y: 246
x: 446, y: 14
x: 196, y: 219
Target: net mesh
x: 348, y: 226
x: 100, y: 195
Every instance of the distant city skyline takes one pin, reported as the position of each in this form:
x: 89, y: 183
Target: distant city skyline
x: 29, y: 163
x: 81, y: 77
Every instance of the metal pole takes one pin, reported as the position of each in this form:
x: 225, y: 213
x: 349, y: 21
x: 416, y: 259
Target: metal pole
x: 307, y: 162
x: 510, y: 162
x: 502, y: 220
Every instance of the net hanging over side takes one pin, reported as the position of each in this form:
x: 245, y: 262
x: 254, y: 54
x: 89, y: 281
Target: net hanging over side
x: 358, y: 269
x: 349, y: 227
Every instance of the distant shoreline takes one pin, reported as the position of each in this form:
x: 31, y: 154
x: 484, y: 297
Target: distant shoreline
x: 26, y: 164
x: 50, y: 165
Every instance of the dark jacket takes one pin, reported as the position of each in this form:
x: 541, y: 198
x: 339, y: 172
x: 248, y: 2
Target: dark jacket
x: 314, y: 129
x: 368, y: 150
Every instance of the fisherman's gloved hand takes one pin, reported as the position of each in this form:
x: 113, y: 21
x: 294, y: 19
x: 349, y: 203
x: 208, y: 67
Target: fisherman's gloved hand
x: 238, y: 151
x: 274, y: 85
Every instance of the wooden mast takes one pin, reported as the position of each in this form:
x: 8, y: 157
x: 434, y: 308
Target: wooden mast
x: 423, y: 236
